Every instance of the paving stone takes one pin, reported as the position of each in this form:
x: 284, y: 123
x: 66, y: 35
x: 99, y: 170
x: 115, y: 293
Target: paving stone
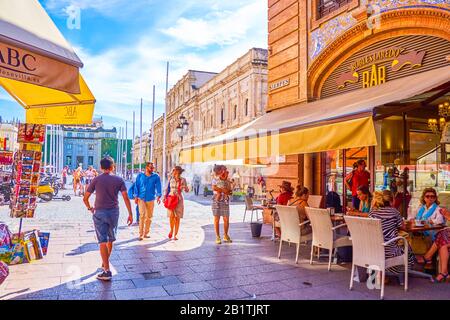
x: 222, y: 294
x: 231, y: 282
x: 140, y: 293
x: 99, y: 286
x: 265, y: 288
x: 189, y: 296
x: 140, y: 283
x: 104, y: 295
x: 190, y: 277
x: 192, y: 268
x: 191, y: 287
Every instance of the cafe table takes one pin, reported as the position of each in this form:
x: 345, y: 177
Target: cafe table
x: 412, y: 227
x: 270, y: 205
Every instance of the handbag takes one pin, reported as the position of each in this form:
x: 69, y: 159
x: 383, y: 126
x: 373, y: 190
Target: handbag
x: 420, y: 243
x: 171, y: 201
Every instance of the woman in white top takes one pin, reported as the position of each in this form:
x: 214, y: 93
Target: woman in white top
x: 429, y: 210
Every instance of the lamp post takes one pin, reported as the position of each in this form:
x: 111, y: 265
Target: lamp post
x: 182, y: 130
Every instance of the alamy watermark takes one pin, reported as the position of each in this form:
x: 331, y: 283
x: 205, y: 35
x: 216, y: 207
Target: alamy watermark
x: 73, y: 17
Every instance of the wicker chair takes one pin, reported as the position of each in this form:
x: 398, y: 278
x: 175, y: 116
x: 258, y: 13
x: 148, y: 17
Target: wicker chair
x: 368, y: 248
x: 291, y: 228
x: 324, y: 234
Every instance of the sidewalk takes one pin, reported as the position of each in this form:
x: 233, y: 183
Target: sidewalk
x: 192, y: 268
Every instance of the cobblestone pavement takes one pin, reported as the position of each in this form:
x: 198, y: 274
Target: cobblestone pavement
x: 192, y: 268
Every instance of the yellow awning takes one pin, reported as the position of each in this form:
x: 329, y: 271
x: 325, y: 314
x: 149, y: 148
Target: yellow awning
x: 339, y: 122
x: 49, y: 106
x: 39, y: 68
x: 341, y: 135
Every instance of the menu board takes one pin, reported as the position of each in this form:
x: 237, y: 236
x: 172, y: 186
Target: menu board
x: 26, y: 168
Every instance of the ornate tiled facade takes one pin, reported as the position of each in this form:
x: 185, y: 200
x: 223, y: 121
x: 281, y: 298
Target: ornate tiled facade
x: 330, y: 30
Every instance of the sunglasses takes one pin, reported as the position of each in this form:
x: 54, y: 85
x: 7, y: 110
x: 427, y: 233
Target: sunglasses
x: 430, y: 196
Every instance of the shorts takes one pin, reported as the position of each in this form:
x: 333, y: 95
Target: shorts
x: 220, y: 209
x: 87, y: 181
x: 105, y: 223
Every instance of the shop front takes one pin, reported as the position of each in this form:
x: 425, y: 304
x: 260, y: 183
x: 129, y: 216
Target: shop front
x: 397, y: 124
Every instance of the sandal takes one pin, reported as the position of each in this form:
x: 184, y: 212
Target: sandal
x: 443, y: 280
x: 424, y: 261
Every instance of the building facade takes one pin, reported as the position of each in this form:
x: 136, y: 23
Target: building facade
x: 214, y: 104
x: 86, y: 145
x: 331, y: 51
x: 136, y: 150
x: 351, y: 80
x: 9, y: 132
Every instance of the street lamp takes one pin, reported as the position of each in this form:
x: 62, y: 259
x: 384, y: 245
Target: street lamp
x: 183, y: 127
x: 182, y: 130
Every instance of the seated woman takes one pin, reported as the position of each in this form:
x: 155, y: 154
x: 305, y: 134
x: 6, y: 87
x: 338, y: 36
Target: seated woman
x: 300, y: 200
x: 364, y: 195
x: 391, y: 222
x: 442, y: 246
x: 429, y: 210
x: 283, y: 198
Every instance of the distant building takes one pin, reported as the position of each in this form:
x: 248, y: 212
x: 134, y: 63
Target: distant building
x: 84, y: 145
x: 136, y: 149
x: 8, y: 131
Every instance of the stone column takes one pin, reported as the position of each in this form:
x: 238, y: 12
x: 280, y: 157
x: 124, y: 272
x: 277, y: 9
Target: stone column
x: 308, y: 171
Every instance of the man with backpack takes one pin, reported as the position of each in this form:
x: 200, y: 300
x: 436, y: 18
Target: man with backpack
x: 147, y: 189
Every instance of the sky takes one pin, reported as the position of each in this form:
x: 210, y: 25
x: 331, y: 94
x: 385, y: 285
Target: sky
x: 125, y: 45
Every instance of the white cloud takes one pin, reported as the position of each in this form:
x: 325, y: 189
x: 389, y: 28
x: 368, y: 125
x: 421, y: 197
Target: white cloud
x: 123, y: 74
x: 99, y: 5
x: 220, y: 27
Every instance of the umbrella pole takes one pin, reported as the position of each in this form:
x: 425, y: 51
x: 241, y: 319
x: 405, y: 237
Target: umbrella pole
x: 20, y: 227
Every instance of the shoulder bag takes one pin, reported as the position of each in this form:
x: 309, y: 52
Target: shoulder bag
x: 171, y: 201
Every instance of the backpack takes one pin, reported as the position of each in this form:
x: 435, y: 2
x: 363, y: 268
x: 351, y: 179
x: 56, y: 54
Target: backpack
x: 333, y: 200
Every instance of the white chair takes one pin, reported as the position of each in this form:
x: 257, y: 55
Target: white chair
x: 324, y: 234
x: 368, y: 248
x: 291, y: 228
x: 315, y: 201
x: 249, y: 206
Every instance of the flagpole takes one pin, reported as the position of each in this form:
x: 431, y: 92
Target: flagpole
x: 140, y: 141
x: 51, y: 148
x: 120, y: 150
x: 165, y: 128
x: 46, y: 145
x: 153, y: 127
x: 133, y: 151
x: 122, y: 144
x: 117, y: 149
x: 126, y: 149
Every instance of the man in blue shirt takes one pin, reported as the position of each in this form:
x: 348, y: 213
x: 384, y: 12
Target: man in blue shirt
x: 147, y: 189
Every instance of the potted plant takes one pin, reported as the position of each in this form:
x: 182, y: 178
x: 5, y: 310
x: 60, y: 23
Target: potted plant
x: 238, y: 196
x: 207, y: 192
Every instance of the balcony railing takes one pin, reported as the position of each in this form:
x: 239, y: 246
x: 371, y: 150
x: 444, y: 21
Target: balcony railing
x: 327, y: 6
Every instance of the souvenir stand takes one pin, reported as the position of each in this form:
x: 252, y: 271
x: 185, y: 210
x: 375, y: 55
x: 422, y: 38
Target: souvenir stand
x: 45, y: 80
